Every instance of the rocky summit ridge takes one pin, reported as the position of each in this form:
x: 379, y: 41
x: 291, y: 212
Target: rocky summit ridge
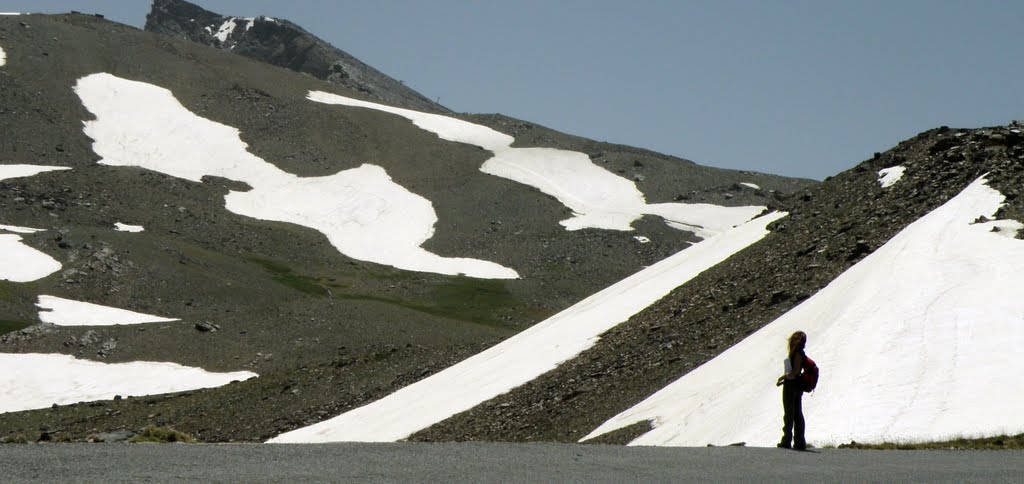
x: 282, y: 43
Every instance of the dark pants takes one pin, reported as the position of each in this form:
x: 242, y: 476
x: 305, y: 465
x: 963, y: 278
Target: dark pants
x: 793, y: 418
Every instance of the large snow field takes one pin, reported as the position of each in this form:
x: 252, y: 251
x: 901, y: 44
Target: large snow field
x: 919, y: 341
x: 597, y: 197
x: 66, y: 312
x: 35, y: 380
x: 528, y: 354
x: 363, y: 213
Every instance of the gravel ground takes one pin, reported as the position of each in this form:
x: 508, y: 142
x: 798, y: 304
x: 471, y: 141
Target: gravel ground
x: 489, y: 462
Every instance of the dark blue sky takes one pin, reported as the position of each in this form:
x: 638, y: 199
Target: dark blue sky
x: 798, y: 88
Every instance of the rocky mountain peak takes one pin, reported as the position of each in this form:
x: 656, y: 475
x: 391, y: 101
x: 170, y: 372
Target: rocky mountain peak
x: 284, y: 44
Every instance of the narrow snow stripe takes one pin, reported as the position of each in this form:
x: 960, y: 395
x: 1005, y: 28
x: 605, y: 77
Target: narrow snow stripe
x: 597, y: 197
x: 528, y: 354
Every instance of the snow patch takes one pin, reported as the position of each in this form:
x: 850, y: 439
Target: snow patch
x: 35, y: 380
x: 225, y: 30
x: 20, y: 230
x: 3, y: 57
x: 249, y: 22
x: 889, y: 176
x: 21, y: 263
x: 597, y: 197
x: 363, y: 213
x: 750, y: 185
x: 66, y: 312
x: 120, y: 227
x: 19, y: 171
x: 641, y: 239
x: 919, y: 341
x: 528, y: 354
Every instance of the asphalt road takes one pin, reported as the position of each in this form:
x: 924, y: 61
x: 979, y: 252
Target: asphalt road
x: 490, y: 462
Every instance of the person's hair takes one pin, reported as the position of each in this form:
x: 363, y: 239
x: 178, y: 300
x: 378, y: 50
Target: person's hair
x: 797, y: 341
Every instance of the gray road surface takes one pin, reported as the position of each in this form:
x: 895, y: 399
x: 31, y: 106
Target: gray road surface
x: 489, y: 462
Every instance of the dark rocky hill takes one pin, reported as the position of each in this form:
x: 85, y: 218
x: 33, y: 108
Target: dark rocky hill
x: 325, y: 332
x: 282, y: 43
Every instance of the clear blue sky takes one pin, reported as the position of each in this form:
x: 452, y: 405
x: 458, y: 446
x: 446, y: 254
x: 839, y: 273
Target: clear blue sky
x: 798, y: 88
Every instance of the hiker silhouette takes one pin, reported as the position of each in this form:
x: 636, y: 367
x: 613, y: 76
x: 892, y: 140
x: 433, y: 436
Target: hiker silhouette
x: 792, y: 394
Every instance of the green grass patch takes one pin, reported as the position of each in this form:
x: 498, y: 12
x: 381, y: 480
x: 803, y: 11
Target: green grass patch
x: 10, y: 325
x: 161, y: 435
x: 1001, y: 442
x: 285, y: 276
x: 481, y: 301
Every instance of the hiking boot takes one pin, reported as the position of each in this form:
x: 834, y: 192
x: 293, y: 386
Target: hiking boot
x: 782, y: 445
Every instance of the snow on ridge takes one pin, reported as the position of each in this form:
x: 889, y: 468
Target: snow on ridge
x: 120, y: 227
x: 916, y: 342
x: 363, y: 213
x: 226, y: 29
x: 597, y: 197
x: 529, y: 353
x: 67, y: 312
x: 21, y: 263
x: 888, y: 177
x: 28, y: 382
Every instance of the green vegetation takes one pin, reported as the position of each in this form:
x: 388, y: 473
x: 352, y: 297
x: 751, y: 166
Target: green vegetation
x: 285, y: 276
x: 161, y: 435
x: 9, y: 325
x: 462, y: 298
x: 15, y: 439
x: 990, y: 443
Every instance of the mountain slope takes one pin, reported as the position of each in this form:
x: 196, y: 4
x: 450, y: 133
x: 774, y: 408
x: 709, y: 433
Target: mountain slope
x: 834, y: 226
x: 324, y: 331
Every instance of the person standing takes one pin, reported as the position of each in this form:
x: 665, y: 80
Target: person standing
x: 792, y: 395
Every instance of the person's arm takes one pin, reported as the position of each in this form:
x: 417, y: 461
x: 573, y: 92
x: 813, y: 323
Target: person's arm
x: 798, y: 363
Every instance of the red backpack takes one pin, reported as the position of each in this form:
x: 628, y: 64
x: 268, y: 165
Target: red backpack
x: 809, y: 376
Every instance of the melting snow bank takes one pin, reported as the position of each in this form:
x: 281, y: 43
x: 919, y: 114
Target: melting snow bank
x: 66, y: 312
x: 528, y: 354
x: 36, y: 380
x: 21, y: 263
x: 888, y: 177
x: 362, y: 212
x: 598, y: 198
x: 919, y: 341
